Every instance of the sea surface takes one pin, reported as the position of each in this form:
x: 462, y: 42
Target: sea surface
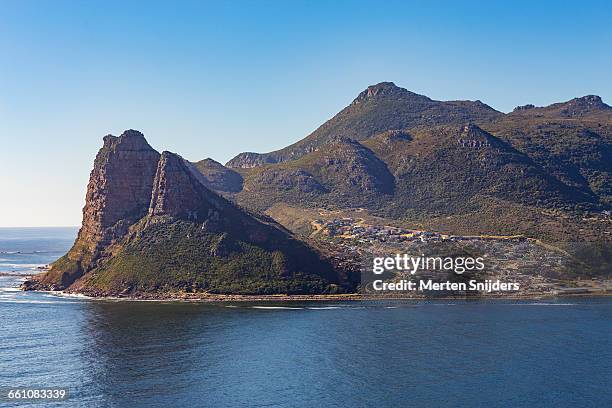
x: 496, y: 353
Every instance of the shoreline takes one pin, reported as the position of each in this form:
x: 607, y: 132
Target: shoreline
x: 202, y: 297
x: 350, y: 297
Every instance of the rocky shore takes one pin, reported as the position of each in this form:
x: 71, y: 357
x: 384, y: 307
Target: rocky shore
x: 31, y: 284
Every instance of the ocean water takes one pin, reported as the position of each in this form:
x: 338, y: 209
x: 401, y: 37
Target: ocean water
x: 497, y: 353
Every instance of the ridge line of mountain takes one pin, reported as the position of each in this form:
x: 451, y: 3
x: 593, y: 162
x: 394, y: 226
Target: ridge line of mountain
x: 418, y: 110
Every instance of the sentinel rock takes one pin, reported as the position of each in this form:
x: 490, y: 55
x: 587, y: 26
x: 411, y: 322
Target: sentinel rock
x: 119, y: 189
x: 118, y: 195
x: 151, y: 227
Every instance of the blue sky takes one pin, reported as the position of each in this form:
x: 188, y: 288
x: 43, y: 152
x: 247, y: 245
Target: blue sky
x: 212, y: 79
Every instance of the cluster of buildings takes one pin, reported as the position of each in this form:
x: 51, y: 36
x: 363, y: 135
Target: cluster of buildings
x: 349, y: 228
x: 537, y: 269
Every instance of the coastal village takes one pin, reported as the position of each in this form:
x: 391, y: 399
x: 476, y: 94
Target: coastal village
x: 535, y: 266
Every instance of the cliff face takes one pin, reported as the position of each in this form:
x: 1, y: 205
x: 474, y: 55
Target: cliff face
x: 150, y: 225
x: 176, y: 192
x: 118, y: 195
x: 119, y: 189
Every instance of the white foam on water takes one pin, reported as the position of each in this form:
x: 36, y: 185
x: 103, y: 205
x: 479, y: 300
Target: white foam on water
x: 15, y: 265
x: 10, y: 290
x: 33, y: 301
x: 276, y: 308
x: 324, y: 308
x: 546, y: 304
x: 68, y: 295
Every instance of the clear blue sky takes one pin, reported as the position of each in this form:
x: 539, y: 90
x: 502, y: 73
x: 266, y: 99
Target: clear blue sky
x: 212, y: 79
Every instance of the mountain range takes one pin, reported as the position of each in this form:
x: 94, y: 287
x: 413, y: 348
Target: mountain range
x: 459, y: 166
x: 156, y: 222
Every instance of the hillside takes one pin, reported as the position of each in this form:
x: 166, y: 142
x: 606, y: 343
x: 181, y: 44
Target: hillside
x: 571, y: 140
x: 453, y: 167
x: 461, y: 176
x: 219, y: 178
x: 444, y: 168
x: 344, y: 173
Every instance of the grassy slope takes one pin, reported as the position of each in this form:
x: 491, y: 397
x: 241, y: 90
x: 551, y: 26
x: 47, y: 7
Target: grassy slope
x: 169, y: 255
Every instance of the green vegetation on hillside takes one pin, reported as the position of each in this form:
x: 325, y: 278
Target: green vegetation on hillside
x: 174, y: 255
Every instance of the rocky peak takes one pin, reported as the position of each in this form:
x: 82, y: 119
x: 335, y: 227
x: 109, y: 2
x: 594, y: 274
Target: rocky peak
x: 584, y: 104
x: 383, y: 89
x: 119, y: 188
x: 576, y: 107
x: 178, y: 191
x: 471, y: 135
x: 524, y: 107
x: 472, y: 130
x: 118, y: 195
x: 248, y: 160
x: 210, y: 163
x: 128, y: 141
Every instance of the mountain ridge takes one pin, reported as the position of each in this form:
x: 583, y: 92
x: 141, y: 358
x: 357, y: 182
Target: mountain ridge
x: 378, y: 108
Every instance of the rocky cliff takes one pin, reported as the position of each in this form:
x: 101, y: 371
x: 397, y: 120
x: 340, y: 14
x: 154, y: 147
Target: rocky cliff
x: 118, y: 195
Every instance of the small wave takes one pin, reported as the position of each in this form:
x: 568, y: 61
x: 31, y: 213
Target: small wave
x: 15, y: 265
x: 324, y: 308
x: 33, y: 301
x: 68, y: 295
x: 276, y: 308
x: 10, y: 290
x: 549, y: 304
x: 538, y: 304
x: 10, y: 252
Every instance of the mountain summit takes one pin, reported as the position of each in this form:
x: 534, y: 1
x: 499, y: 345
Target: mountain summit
x: 386, y: 89
x: 378, y: 108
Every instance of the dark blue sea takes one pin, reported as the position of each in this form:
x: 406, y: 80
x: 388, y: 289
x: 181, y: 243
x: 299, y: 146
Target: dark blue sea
x: 496, y: 353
